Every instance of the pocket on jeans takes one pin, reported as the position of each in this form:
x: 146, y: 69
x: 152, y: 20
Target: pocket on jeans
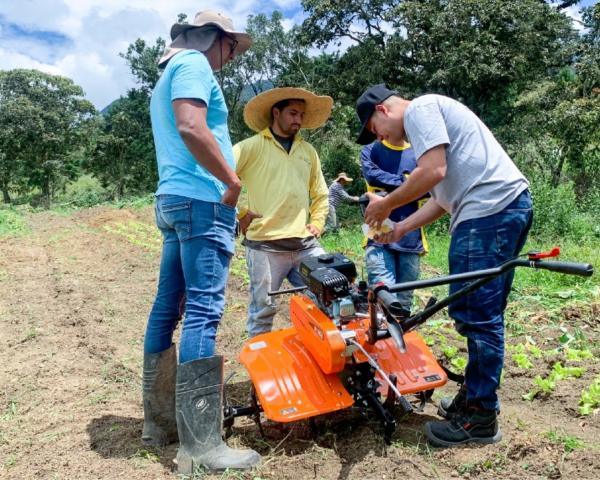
x: 178, y: 216
x: 226, y: 213
x: 172, y: 207
x: 483, y: 242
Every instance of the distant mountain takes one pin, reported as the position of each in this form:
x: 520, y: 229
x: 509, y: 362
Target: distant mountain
x: 248, y: 91
x: 106, y: 110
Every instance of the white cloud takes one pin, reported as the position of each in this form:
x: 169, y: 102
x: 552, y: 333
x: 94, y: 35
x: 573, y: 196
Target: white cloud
x: 575, y: 14
x: 82, y: 39
x: 10, y: 60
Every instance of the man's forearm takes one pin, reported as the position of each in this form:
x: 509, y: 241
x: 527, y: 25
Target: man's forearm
x: 205, y: 149
x: 429, y: 213
x: 416, y: 185
x: 430, y: 171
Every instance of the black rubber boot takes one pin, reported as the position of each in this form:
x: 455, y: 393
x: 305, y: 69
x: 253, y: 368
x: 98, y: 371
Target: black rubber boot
x: 472, y: 425
x: 199, y: 420
x: 160, y: 427
x: 450, y: 407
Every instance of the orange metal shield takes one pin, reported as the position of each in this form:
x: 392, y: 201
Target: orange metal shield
x: 289, y: 383
x: 295, y: 371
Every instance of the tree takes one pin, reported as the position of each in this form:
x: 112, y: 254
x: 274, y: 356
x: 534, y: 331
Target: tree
x: 274, y: 50
x: 124, y: 158
x: 558, y: 118
x: 13, y: 133
x: 50, y: 120
x: 360, y: 21
x: 142, y: 59
x: 482, y: 52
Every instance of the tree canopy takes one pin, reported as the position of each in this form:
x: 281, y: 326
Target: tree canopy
x: 519, y: 64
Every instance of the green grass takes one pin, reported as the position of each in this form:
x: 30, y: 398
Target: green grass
x: 10, y: 411
x: 348, y: 241
x: 12, y: 223
x: 138, y: 233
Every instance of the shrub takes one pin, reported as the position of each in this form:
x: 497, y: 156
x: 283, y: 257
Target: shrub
x: 557, y: 212
x: 11, y: 223
x: 86, y: 191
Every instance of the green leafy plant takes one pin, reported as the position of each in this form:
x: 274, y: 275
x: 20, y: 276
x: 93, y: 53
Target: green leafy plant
x: 590, y: 398
x: 459, y: 363
x: 536, y: 352
x: 522, y: 360
x: 569, y: 442
x: 450, y: 351
x: 547, y: 385
x: 559, y: 372
x: 577, y: 355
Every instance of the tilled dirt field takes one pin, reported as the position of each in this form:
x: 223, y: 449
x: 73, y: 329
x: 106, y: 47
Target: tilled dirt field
x: 74, y: 296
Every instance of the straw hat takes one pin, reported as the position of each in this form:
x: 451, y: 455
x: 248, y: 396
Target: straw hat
x: 208, y: 19
x: 343, y: 176
x: 257, y: 112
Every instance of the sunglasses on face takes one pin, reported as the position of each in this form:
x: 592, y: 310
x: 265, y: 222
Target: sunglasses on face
x: 233, y: 43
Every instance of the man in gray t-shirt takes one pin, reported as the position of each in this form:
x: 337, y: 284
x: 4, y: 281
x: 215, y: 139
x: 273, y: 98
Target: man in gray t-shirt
x: 470, y: 176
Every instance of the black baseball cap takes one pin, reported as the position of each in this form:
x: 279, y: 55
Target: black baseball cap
x: 365, y: 106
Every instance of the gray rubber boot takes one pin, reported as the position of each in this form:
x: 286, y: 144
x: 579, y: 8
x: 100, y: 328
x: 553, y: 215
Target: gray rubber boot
x: 160, y: 427
x: 199, y: 420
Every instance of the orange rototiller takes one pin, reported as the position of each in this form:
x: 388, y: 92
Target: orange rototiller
x: 352, y: 345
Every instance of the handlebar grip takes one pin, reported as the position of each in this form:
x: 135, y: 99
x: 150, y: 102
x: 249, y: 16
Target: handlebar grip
x: 389, y: 301
x: 363, y: 200
x: 570, y: 268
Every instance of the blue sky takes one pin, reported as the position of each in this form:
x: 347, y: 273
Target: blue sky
x: 81, y: 39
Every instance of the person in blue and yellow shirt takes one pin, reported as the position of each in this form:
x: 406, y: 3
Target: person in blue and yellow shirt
x: 385, y: 167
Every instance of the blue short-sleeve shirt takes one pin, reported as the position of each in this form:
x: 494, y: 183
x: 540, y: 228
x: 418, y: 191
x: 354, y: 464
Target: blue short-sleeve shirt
x: 188, y: 75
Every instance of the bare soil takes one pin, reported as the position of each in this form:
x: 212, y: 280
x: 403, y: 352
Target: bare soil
x: 74, y: 296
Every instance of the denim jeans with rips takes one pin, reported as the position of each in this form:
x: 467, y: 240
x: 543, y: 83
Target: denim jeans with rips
x: 390, y: 266
x: 478, y: 244
x: 198, y: 243
x: 267, y: 271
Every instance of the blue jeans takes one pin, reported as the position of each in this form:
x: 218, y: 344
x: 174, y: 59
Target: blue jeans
x: 477, y: 244
x: 267, y: 271
x: 390, y: 266
x: 198, y: 243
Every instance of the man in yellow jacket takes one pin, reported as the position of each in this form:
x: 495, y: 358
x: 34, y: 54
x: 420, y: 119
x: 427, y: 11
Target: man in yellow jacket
x: 286, y: 201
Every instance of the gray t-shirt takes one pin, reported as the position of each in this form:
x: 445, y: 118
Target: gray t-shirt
x: 481, y: 179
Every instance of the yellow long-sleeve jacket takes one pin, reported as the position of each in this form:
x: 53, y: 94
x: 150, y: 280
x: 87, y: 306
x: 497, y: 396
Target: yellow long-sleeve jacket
x: 287, y: 189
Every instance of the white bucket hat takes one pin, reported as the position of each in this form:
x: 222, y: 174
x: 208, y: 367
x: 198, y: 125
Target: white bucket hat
x: 209, y: 20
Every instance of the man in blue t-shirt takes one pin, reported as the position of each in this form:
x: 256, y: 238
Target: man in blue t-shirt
x: 195, y: 211
x: 385, y: 167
